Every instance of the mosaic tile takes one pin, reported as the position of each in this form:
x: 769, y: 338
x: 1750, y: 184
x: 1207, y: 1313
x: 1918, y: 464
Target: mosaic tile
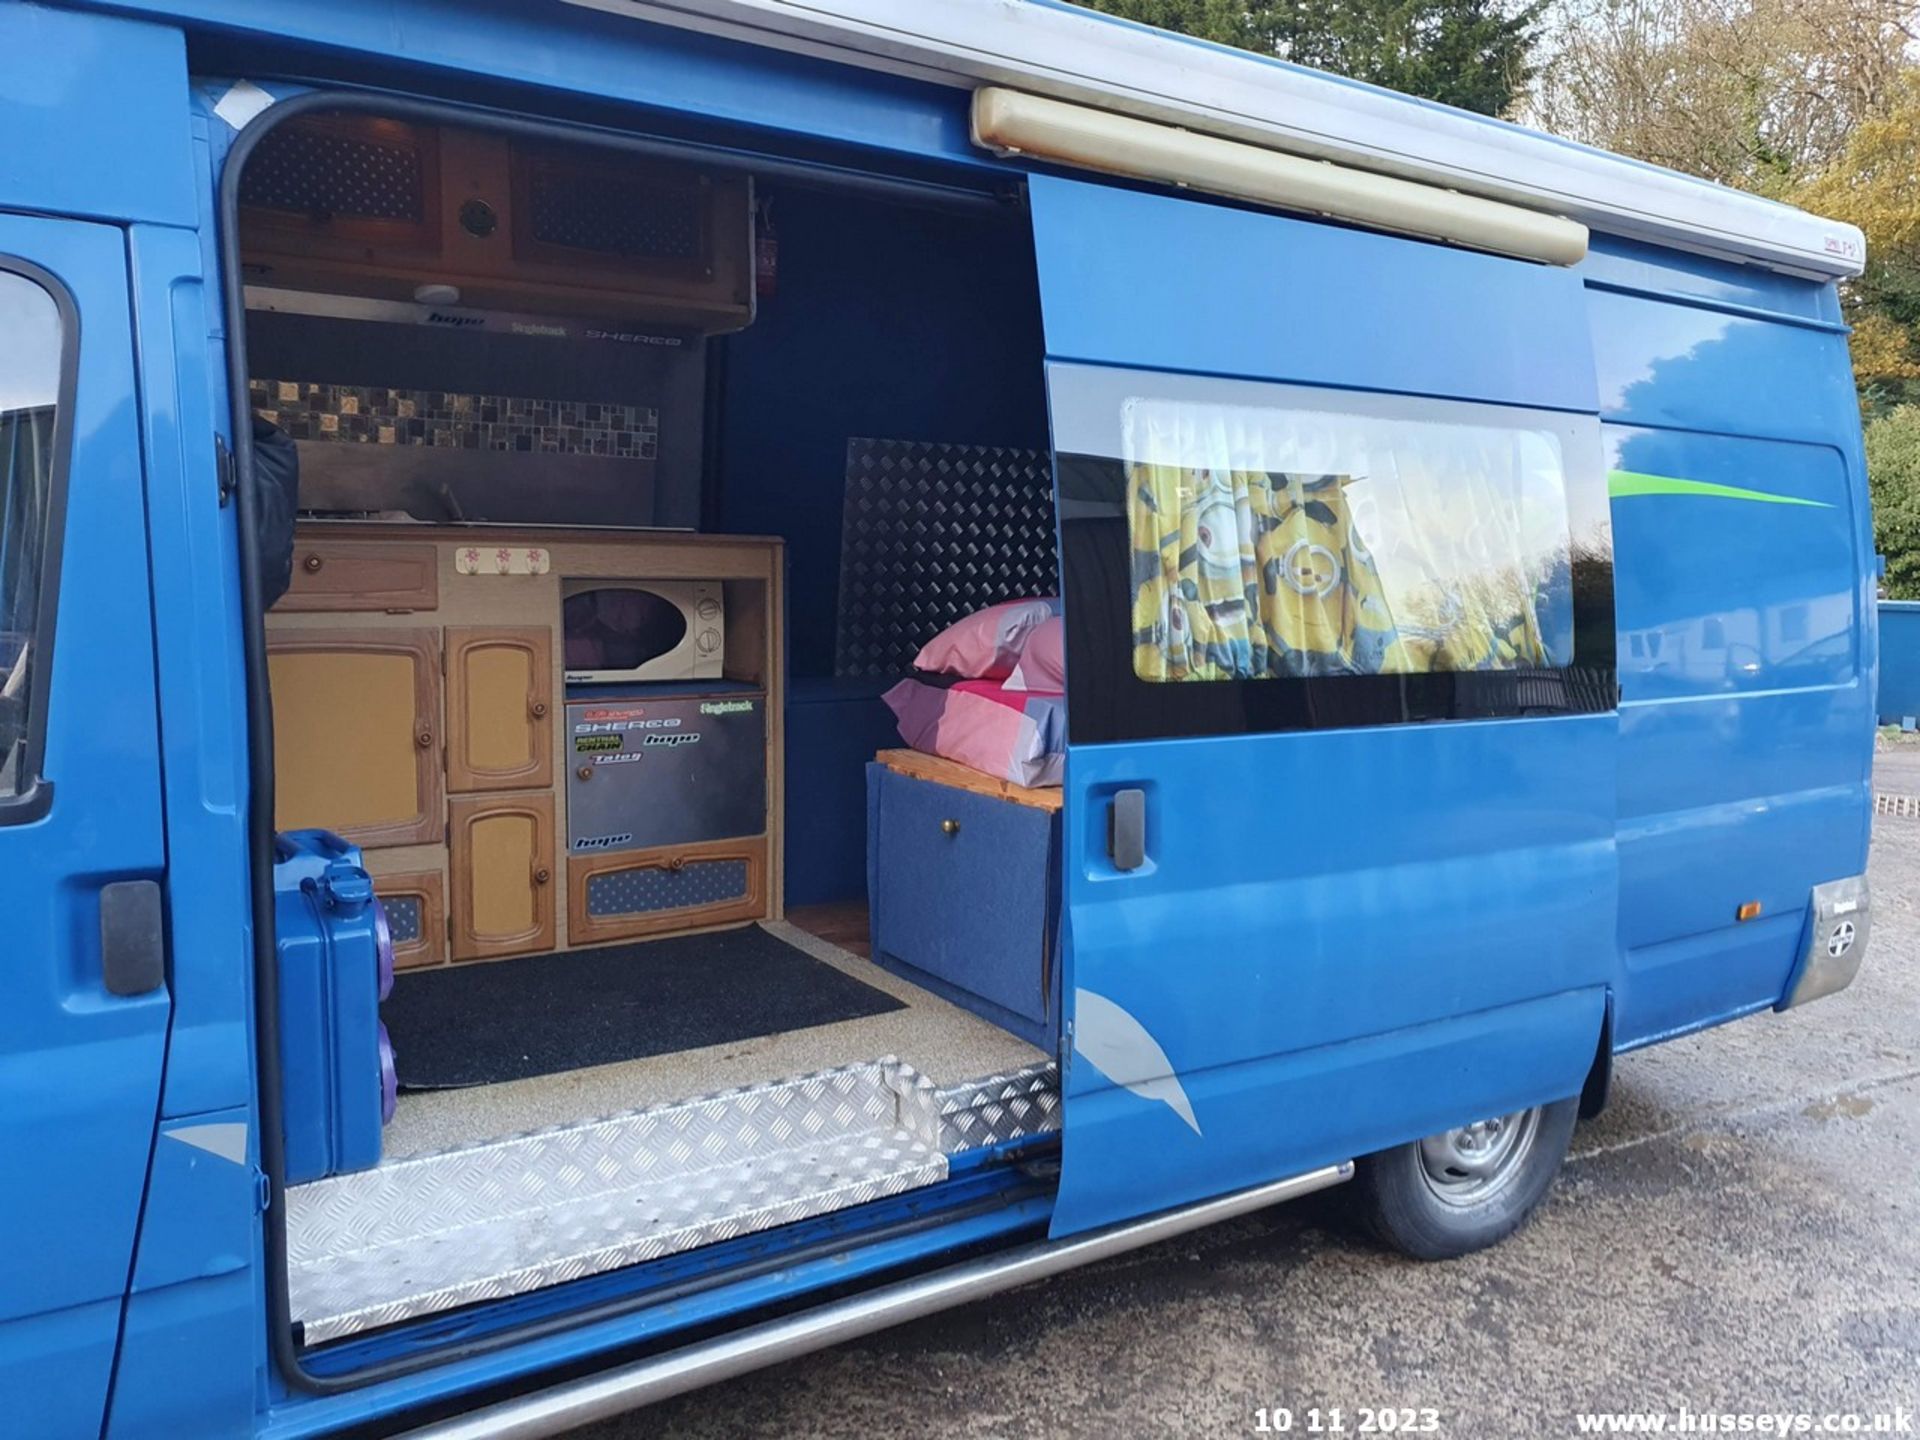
x: 378, y: 414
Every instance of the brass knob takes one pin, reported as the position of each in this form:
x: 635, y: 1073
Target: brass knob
x: 539, y: 708
x: 424, y: 739
x: 542, y: 875
x: 949, y: 827
x: 585, y: 772
x: 312, y: 564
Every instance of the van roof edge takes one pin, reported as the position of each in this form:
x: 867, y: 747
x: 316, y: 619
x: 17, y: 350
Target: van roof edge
x: 1068, y: 53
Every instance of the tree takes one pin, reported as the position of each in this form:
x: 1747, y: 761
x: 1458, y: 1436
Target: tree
x: 1874, y: 183
x: 1893, y: 481
x: 1469, y: 53
x: 1754, y: 93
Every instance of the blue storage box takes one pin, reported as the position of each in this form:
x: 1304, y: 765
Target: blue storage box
x: 964, y: 890
x: 336, y: 965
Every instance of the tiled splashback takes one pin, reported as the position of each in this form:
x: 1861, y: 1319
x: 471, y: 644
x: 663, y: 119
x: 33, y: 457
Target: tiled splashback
x: 375, y: 415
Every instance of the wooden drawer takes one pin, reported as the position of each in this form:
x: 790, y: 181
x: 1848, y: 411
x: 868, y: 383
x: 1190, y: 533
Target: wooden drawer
x: 356, y: 575
x: 679, y: 887
x: 963, y: 889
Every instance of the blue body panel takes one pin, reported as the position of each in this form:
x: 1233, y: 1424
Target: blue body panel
x: 1329, y: 922
x: 80, y: 1067
x: 1470, y: 902
x: 1747, y: 648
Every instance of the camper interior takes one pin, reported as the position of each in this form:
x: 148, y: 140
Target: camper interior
x: 628, y: 487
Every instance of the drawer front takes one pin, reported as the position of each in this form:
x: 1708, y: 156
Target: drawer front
x: 350, y: 575
x: 963, y: 889
x: 656, y: 892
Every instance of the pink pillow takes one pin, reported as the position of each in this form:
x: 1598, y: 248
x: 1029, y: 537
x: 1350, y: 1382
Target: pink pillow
x: 1043, y: 660
x: 986, y: 644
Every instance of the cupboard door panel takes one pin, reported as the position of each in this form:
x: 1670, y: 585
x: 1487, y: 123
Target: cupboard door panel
x: 416, y: 906
x: 356, y: 734
x: 500, y: 710
x: 501, y: 848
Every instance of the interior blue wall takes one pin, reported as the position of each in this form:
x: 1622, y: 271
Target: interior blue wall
x: 907, y: 324
x: 889, y: 321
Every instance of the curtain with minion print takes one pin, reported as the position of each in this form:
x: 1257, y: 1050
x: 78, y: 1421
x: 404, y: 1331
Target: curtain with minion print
x: 1270, y: 543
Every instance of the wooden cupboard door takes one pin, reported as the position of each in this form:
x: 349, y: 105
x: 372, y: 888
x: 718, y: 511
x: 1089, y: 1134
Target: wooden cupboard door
x: 501, y: 849
x: 356, y: 734
x: 499, y: 707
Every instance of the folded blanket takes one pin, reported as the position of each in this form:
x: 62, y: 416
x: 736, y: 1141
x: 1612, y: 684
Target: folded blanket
x: 1017, y: 735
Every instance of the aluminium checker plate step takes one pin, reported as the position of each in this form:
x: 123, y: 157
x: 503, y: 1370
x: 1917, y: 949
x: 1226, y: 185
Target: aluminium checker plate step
x: 430, y: 1233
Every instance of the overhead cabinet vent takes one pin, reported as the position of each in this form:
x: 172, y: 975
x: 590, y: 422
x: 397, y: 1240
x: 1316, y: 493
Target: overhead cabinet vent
x: 369, y: 207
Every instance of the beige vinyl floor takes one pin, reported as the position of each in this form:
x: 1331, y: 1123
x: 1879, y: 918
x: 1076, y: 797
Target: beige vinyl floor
x: 939, y: 1039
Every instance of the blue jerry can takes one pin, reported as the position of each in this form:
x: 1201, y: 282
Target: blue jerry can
x: 336, y: 966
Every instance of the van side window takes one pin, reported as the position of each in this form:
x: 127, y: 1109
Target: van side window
x: 1270, y: 543
x: 1245, y: 556
x: 32, y: 341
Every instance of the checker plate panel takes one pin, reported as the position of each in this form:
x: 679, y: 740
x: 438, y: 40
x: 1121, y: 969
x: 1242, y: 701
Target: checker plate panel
x: 431, y: 1233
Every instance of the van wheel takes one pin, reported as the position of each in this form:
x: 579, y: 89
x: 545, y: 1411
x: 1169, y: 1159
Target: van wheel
x: 1465, y: 1189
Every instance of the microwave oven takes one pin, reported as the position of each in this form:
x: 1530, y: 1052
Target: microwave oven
x: 625, y: 630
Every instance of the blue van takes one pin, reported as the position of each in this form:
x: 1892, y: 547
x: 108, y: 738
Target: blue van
x: 677, y: 681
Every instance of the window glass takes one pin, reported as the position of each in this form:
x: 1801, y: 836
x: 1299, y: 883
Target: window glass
x: 1280, y: 542
x: 1324, y: 559
x: 31, y: 337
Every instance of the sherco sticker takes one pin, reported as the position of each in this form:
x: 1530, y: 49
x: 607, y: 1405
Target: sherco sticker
x: 627, y: 759
x: 599, y: 722
x: 587, y: 744
x: 602, y: 842
x: 727, y: 707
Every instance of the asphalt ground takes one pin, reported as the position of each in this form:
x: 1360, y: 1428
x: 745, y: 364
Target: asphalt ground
x: 1738, y: 1234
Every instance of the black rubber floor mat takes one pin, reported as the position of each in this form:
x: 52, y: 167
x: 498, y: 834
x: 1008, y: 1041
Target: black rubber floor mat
x: 480, y: 1023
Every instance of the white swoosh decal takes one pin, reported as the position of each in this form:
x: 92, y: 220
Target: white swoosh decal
x: 227, y: 1139
x: 1121, y: 1049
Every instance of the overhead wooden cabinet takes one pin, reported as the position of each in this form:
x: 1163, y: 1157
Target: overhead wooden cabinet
x: 362, y: 205
x: 356, y: 733
x: 499, y: 707
x: 501, y: 853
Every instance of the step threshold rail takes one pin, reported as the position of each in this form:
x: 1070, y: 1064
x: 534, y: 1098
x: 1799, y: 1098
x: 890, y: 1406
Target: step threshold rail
x: 629, y: 1387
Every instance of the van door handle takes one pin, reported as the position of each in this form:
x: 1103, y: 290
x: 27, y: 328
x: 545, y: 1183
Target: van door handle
x: 1127, y: 829
x: 133, y: 948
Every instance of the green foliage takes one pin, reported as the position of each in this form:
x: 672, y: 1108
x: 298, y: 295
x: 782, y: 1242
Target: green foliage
x: 1469, y: 53
x: 1893, y: 479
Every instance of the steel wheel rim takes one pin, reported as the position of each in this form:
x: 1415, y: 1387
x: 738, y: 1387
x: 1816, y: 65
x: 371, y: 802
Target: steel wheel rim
x: 1473, y: 1163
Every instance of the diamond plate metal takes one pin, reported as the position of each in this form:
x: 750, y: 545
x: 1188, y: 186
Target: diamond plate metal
x: 977, y: 1113
x: 435, y: 1232
x: 931, y: 533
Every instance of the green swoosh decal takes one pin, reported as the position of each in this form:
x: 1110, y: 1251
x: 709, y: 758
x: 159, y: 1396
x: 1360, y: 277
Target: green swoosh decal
x: 1621, y: 483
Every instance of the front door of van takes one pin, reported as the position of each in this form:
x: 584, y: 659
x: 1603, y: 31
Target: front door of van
x: 1336, y: 558
x: 83, y: 997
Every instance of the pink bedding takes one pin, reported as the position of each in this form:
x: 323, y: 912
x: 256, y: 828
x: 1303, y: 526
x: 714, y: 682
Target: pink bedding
x: 1012, y: 735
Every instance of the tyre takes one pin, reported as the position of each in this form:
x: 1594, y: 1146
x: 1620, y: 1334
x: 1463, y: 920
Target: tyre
x: 1465, y: 1189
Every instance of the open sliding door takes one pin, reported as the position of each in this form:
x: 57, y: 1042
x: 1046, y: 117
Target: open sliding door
x: 1339, y: 849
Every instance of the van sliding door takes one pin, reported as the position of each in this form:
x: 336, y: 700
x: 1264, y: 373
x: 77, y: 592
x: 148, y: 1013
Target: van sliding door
x: 1339, y: 855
